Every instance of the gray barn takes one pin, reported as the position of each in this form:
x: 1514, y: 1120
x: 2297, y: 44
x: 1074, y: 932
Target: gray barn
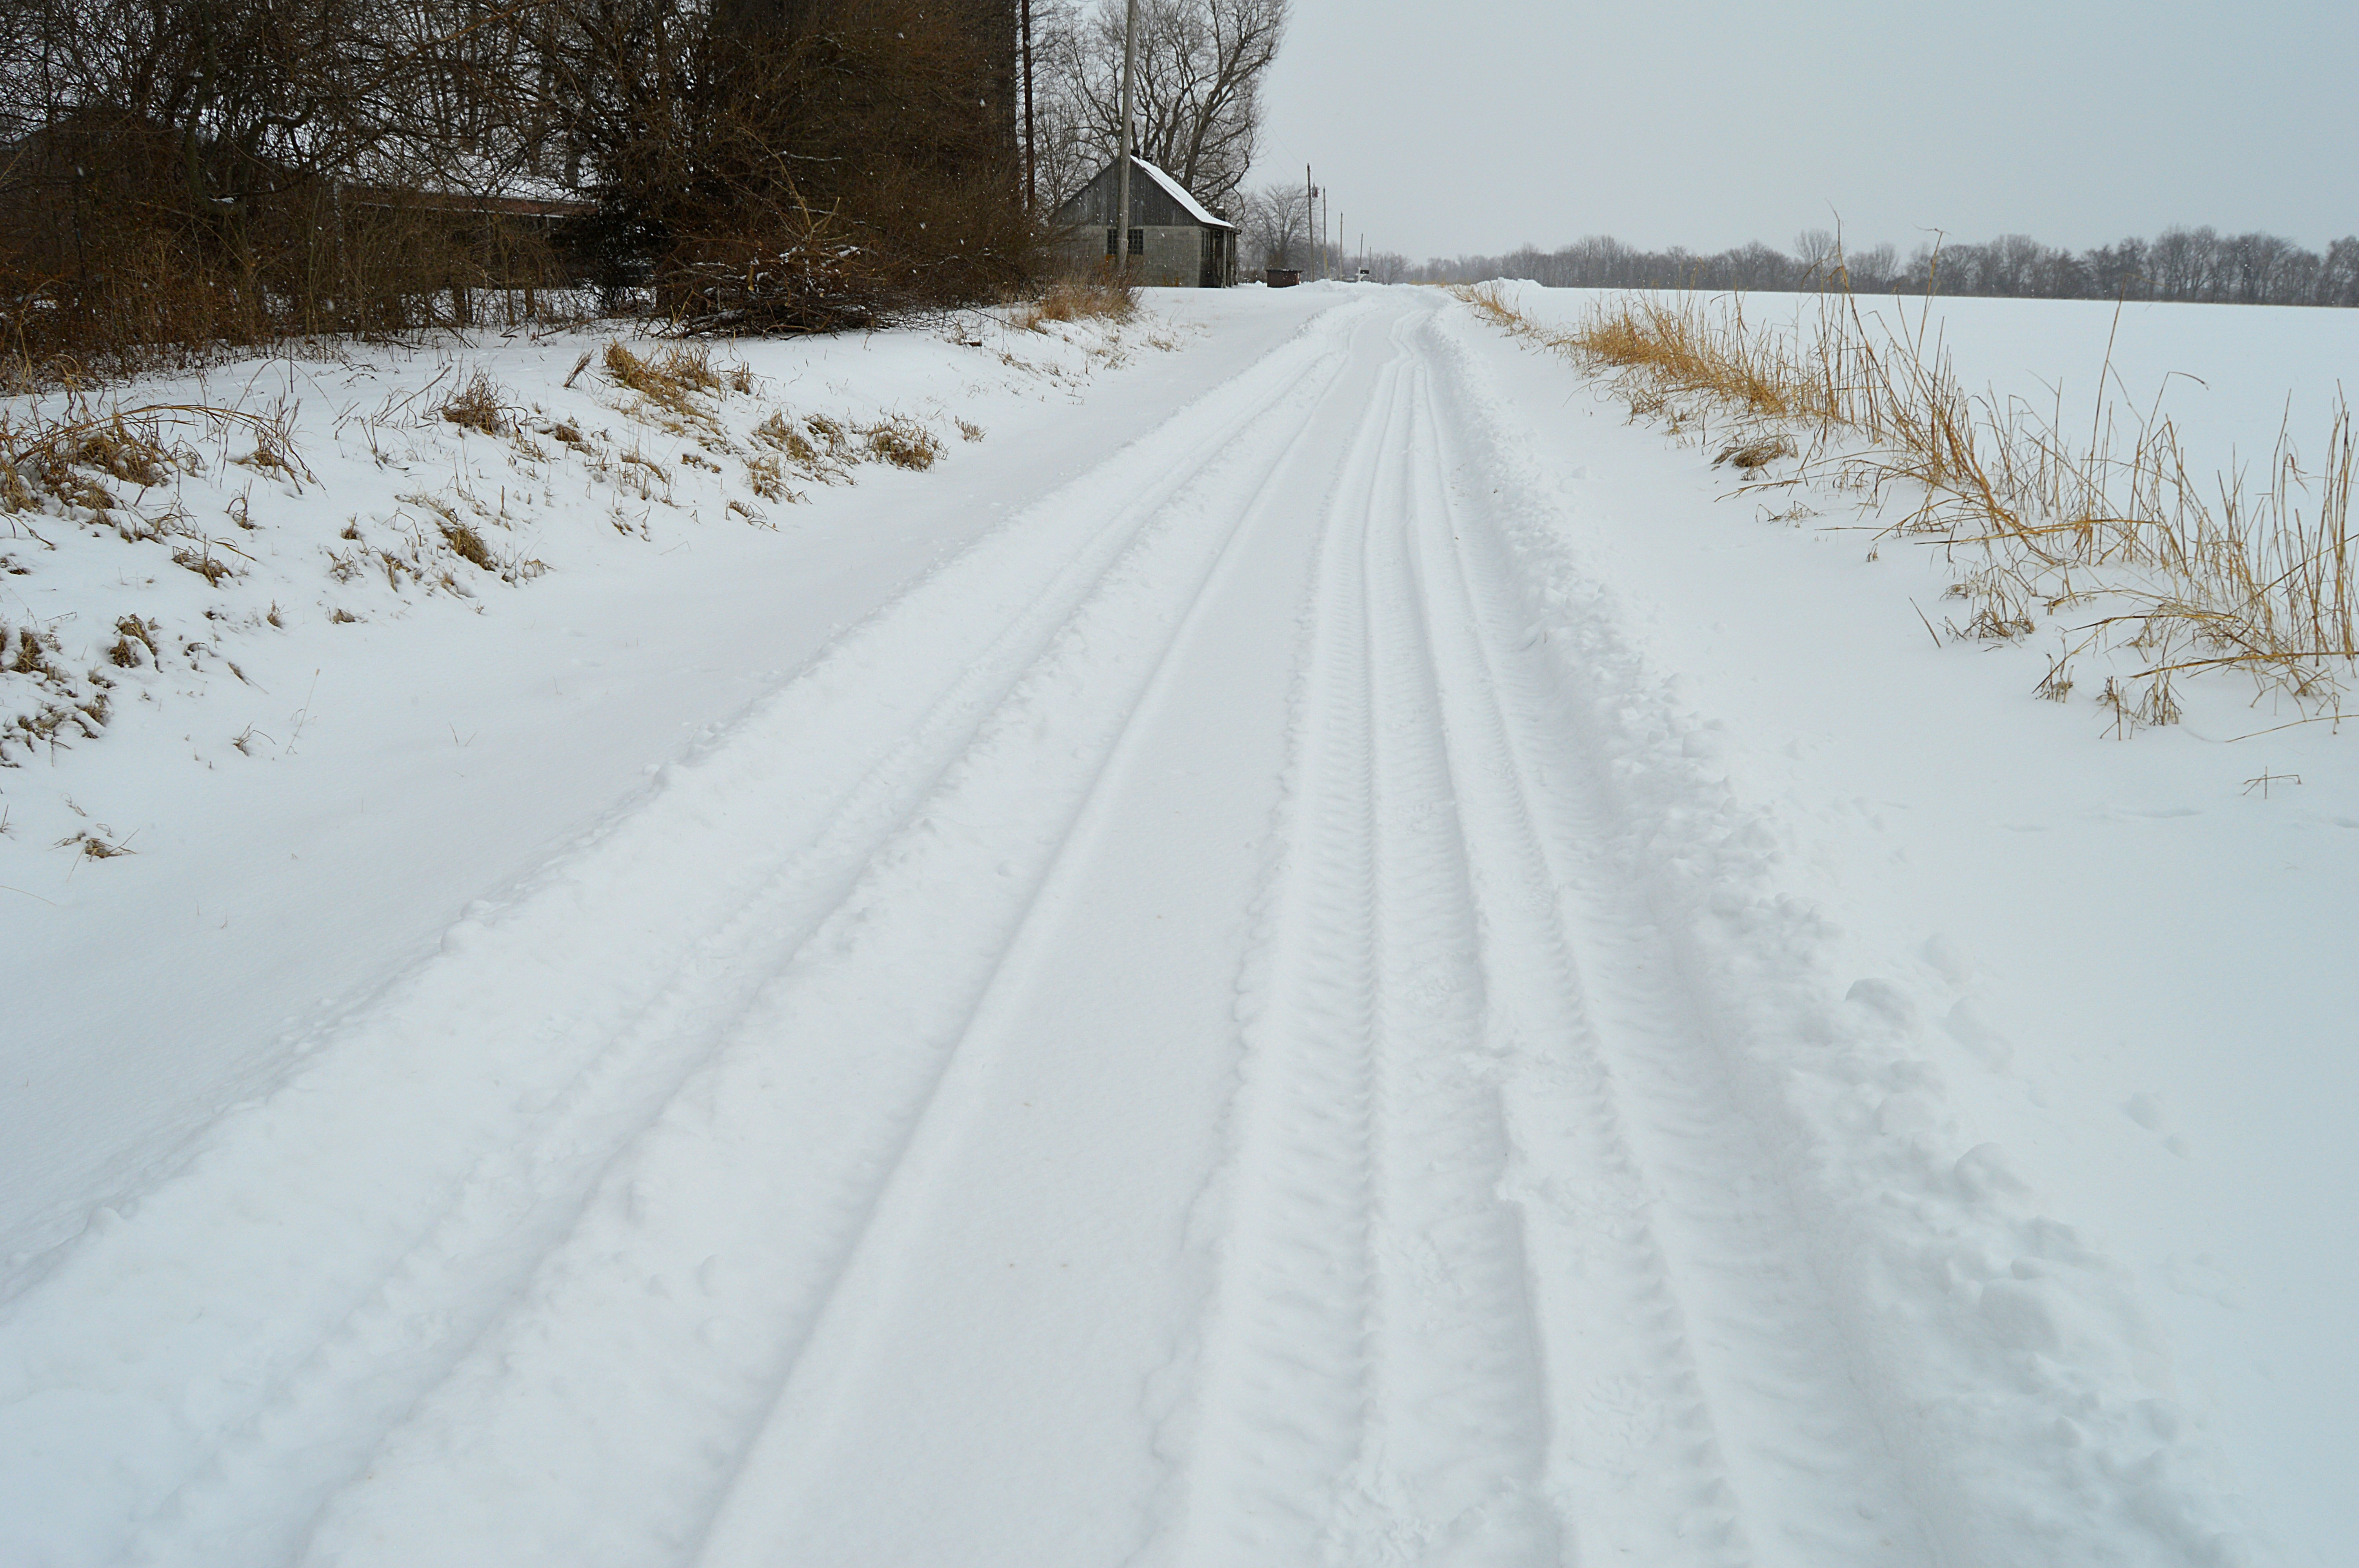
x: 1174, y: 242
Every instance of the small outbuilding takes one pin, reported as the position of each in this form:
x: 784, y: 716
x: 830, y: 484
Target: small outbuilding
x: 1175, y: 242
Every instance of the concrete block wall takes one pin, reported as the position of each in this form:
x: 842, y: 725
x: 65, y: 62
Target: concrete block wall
x: 1173, y: 257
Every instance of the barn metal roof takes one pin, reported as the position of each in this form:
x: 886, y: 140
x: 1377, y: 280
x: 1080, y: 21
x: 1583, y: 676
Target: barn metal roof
x: 1179, y: 192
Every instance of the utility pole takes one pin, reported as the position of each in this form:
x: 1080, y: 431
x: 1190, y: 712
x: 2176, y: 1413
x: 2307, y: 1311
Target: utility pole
x: 1031, y: 152
x: 1129, y: 70
x: 1310, y: 219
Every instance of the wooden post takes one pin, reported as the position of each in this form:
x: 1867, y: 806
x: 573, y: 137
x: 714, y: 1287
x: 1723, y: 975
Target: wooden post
x: 1031, y: 153
x: 1129, y: 70
x: 1309, y: 218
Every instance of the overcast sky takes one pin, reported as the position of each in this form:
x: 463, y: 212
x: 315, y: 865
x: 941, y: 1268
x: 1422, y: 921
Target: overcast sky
x: 1478, y: 127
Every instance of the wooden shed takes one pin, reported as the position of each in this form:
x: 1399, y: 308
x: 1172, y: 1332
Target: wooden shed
x: 1175, y: 242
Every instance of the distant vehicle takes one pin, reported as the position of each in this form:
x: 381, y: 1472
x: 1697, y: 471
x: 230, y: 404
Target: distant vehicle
x: 1364, y: 275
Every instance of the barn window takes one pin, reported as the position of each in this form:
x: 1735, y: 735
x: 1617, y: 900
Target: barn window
x: 1138, y: 241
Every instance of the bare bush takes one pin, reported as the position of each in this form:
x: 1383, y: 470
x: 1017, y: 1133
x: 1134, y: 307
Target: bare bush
x: 179, y: 174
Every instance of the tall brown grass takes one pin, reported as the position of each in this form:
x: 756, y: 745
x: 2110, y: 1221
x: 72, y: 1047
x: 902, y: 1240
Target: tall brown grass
x: 1074, y: 299
x: 69, y: 455
x: 2189, y: 573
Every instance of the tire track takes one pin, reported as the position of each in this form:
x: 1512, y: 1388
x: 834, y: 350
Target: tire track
x: 1507, y: 1272
x: 1286, y: 1363
x: 307, y: 1395
x: 1510, y: 1276
x: 777, y: 1184
x: 1369, y: 1388
x: 1740, y: 1427
x: 1634, y: 1457
x: 1452, y: 1472
x: 774, y: 1484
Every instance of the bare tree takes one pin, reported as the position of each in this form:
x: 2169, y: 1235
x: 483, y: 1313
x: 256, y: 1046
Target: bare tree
x: 2338, y: 273
x: 1818, y: 251
x: 1200, y: 68
x: 795, y: 163
x: 1272, y: 223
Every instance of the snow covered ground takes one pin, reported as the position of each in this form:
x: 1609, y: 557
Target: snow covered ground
x: 1311, y: 951
x: 2148, y: 1019
x: 445, y: 742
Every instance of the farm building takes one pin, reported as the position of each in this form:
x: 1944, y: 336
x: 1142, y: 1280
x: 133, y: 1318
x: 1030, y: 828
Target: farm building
x: 1174, y: 242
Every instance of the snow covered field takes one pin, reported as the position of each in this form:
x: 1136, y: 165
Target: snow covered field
x: 1313, y: 950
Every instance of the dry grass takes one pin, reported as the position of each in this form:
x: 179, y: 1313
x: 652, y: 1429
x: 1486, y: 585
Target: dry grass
x: 1754, y: 453
x: 26, y: 652
x: 200, y: 560
x: 68, y: 457
x: 468, y: 545
x: 60, y: 706
x: 456, y: 523
x: 134, y: 644
x: 1104, y: 299
x: 766, y: 480
x: 2199, y: 575
x: 94, y: 845
x: 778, y: 431
x: 826, y: 449
x: 478, y: 405
x: 671, y: 380
x: 903, y: 443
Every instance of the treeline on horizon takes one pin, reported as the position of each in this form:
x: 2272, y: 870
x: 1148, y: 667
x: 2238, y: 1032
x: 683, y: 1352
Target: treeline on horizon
x: 2200, y: 266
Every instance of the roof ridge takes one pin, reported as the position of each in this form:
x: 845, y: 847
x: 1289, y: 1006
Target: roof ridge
x: 1179, y: 193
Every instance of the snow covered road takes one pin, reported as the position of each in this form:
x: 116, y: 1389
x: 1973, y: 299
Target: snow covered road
x: 1231, y: 1024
